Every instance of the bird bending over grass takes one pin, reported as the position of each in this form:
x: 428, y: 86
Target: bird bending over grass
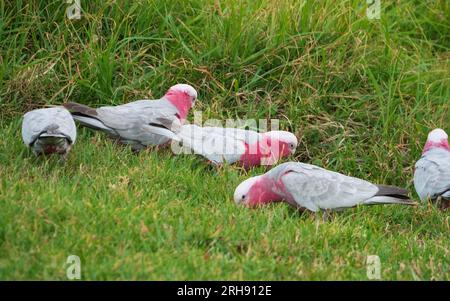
x: 140, y: 123
x: 432, y: 170
x: 231, y: 145
x: 314, y: 188
x: 49, y: 131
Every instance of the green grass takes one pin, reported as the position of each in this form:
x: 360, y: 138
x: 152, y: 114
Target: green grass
x: 360, y: 94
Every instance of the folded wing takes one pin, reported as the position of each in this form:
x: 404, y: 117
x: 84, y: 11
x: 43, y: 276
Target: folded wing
x: 139, y: 123
x: 218, y: 145
x: 315, y: 188
x: 432, y: 175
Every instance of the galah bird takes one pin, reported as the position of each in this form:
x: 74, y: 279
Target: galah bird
x: 432, y: 171
x: 314, y: 188
x: 49, y: 130
x: 140, y: 123
x: 231, y: 145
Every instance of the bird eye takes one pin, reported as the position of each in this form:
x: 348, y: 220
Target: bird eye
x: 243, y: 196
x: 292, y: 145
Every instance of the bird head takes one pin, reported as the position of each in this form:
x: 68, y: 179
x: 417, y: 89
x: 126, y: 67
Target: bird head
x: 184, y: 92
x: 183, y: 97
x: 282, y: 143
x: 255, y: 191
x: 437, y: 138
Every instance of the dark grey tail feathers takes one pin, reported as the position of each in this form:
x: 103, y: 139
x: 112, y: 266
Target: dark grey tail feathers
x: 76, y: 108
x: 392, y: 191
x: 86, y: 115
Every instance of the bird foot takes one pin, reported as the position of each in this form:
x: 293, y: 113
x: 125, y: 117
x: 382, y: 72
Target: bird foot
x: 327, y: 215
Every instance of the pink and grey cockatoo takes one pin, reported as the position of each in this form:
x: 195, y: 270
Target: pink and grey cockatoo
x: 140, y: 123
x: 49, y: 131
x: 432, y: 171
x: 231, y: 145
x: 314, y: 188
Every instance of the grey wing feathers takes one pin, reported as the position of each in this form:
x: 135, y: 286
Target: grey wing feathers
x: 250, y: 137
x: 214, y: 143
x: 315, y: 188
x: 142, y: 122
x: 432, y: 175
x: 48, y: 122
x: 124, y: 117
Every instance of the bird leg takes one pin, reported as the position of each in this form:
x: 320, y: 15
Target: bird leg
x: 66, y: 153
x: 442, y: 203
x: 445, y: 204
x: 64, y: 157
x: 327, y: 215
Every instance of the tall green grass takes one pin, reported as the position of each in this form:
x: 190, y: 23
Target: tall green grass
x: 360, y: 94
